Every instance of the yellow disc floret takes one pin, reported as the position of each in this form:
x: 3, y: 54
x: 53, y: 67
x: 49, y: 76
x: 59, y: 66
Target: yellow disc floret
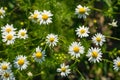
x: 76, y: 49
x: 8, y: 30
x: 38, y: 55
x: 118, y: 64
x: 4, y: 67
x: 52, y: 39
x: 82, y: 10
x: 44, y: 16
x: 23, y: 33
x: 98, y: 39
x: 94, y: 54
x: 9, y: 37
x: 82, y: 31
x: 21, y: 62
x: 63, y: 69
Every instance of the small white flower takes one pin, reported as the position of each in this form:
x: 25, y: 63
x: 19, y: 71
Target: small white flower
x: 64, y: 70
x: 52, y: 40
x: 82, y: 31
x: 5, y: 66
x: 94, y: 54
x: 21, y: 62
x: 45, y: 17
x: 2, y: 12
x: 75, y: 49
x: 9, y: 38
x: 39, y: 55
x: 114, y: 23
x: 98, y: 39
x: 8, y: 28
x: 7, y: 76
x: 22, y: 34
x: 116, y: 63
x: 29, y: 74
x: 35, y: 16
x: 82, y: 11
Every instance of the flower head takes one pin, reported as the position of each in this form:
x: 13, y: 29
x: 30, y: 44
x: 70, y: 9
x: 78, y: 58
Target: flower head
x: 116, y: 63
x: 98, y: 39
x: 114, y: 23
x: 2, y: 12
x: 81, y: 11
x: 52, y: 39
x: 39, y: 55
x: 75, y: 49
x: 94, y: 54
x: 7, y: 76
x: 21, y: 62
x: 64, y: 69
x: 82, y: 31
x: 22, y: 34
x: 5, y: 66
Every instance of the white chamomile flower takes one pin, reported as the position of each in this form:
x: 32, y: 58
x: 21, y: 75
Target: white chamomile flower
x: 5, y: 66
x: 82, y: 31
x: 39, y: 55
x: 82, y: 11
x: 22, y: 34
x: 98, y: 39
x: 64, y: 70
x: 116, y: 63
x: 2, y: 12
x: 45, y: 17
x: 75, y: 49
x: 21, y: 62
x: 114, y: 23
x: 8, y: 28
x: 94, y: 54
x: 35, y: 16
x: 9, y: 38
x: 52, y: 39
x: 7, y: 76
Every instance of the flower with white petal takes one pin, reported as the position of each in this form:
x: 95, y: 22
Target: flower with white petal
x: 21, y: 62
x: 75, y: 49
x: 82, y: 11
x: 64, y: 70
x: 94, y: 54
x: 114, y: 23
x: 22, y: 34
x: 82, y: 31
x: 7, y: 76
x: 8, y: 28
x: 45, y: 17
x: 98, y: 39
x: 9, y: 38
x: 39, y: 55
x: 5, y: 66
x: 116, y: 63
x: 35, y: 16
x: 52, y: 39
x: 2, y: 12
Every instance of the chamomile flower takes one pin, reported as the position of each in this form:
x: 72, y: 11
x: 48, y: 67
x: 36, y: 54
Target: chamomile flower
x: 52, y: 39
x: 9, y: 38
x: 2, y: 12
x: 7, y: 76
x: 114, y: 23
x: 8, y: 28
x: 64, y: 70
x: 45, y: 17
x: 39, y: 55
x: 82, y: 11
x: 75, y: 49
x: 22, y: 34
x: 82, y: 31
x: 21, y: 62
x: 94, y: 54
x: 5, y: 66
x: 98, y: 39
x: 116, y: 63
x: 35, y: 16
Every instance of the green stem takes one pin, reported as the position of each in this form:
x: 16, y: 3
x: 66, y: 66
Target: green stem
x: 112, y: 38
x: 80, y: 74
x: 106, y: 60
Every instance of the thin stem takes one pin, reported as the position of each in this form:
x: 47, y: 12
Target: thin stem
x: 113, y: 38
x: 106, y: 60
x: 80, y: 74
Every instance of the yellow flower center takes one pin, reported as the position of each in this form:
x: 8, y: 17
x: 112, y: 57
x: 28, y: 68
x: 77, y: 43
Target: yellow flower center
x: 94, y: 54
x: 76, y: 49
x: 35, y: 16
x: 118, y: 64
x: 44, y: 16
x: 52, y: 39
x: 1, y: 12
x: 63, y: 69
x: 82, y: 31
x: 38, y: 55
x: 82, y: 10
x: 22, y: 33
x: 8, y: 30
x: 6, y: 75
x: 98, y: 39
x: 9, y: 36
x: 21, y: 62
x: 4, y: 67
